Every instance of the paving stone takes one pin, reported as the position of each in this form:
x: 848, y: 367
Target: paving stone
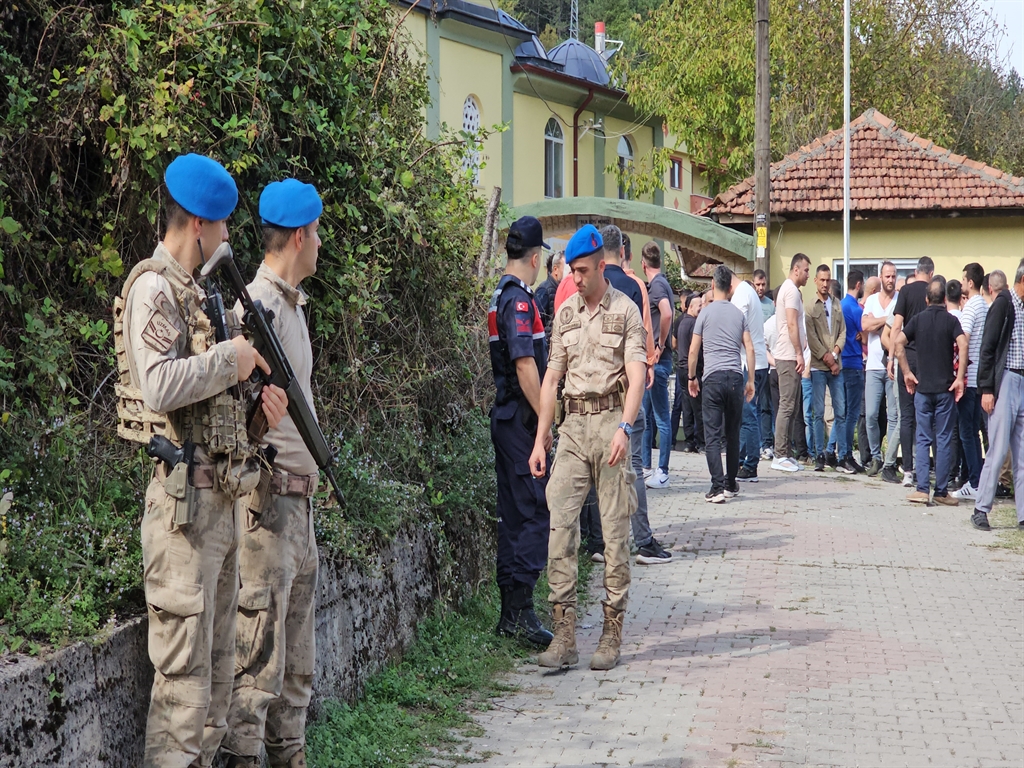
x: 812, y: 621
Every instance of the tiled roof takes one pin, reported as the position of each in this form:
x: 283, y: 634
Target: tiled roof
x: 891, y: 170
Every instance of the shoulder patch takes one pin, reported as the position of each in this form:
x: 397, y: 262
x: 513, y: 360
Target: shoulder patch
x: 159, y: 334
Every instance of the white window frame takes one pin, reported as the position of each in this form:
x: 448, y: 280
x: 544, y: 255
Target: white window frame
x: 624, y: 159
x: 904, y: 267
x: 554, y: 160
x: 471, y: 157
x: 675, y: 173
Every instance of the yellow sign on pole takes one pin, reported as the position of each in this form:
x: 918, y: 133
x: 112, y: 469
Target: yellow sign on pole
x: 762, y: 237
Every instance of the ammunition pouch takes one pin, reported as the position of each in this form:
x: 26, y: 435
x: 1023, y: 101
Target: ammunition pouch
x: 224, y: 427
x: 237, y: 478
x: 259, y: 499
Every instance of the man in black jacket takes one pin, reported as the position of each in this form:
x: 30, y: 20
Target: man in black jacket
x: 545, y: 294
x: 1001, y: 384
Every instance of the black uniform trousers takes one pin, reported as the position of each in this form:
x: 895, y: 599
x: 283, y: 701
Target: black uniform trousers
x: 523, y: 517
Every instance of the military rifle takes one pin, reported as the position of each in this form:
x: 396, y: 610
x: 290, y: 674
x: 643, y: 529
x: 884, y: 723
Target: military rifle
x: 258, y: 322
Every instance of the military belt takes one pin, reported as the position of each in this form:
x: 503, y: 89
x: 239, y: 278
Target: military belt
x: 203, y: 475
x: 586, y: 405
x: 285, y: 484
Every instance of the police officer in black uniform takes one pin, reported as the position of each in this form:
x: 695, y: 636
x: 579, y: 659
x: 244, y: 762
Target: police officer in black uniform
x: 519, y: 359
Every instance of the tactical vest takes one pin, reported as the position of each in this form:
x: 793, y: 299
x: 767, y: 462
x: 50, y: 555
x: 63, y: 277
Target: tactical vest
x: 218, y: 423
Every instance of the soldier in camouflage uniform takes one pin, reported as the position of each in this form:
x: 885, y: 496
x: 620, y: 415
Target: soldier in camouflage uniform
x: 278, y: 555
x: 598, y: 343
x: 177, y: 381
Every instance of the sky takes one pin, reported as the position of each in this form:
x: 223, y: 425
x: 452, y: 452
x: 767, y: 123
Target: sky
x: 1010, y: 13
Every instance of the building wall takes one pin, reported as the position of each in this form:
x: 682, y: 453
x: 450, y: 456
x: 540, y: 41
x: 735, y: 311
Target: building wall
x: 466, y: 70
x: 530, y: 116
x: 993, y: 242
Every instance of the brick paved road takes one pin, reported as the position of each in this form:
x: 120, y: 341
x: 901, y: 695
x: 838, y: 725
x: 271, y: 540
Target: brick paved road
x: 815, y: 620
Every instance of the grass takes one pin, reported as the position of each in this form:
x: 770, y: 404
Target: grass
x: 417, y: 711
x: 1003, y: 520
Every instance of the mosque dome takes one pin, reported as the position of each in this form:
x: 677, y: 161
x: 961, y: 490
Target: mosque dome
x: 580, y: 60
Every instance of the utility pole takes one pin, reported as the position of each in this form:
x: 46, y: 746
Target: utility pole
x: 762, y: 144
x: 846, y: 140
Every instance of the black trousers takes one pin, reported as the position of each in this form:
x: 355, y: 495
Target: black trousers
x: 723, y: 415
x: 908, y: 421
x: 523, y: 517
x: 677, y: 407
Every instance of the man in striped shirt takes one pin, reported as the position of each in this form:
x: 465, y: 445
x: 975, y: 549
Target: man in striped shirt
x: 969, y: 408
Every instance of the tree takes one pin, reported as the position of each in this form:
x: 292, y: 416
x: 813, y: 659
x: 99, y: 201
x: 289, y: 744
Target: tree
x: 909, y: 58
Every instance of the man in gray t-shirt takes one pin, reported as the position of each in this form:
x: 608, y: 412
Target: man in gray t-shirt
x: 722, y: 331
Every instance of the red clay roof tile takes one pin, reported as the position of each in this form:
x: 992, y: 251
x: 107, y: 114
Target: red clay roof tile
x: 890, y: 170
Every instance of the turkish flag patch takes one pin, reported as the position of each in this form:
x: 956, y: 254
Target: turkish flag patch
x: 522, y: 306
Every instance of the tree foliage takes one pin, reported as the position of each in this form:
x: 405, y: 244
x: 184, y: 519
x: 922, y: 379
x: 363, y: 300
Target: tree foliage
x: 97, y: 98
x: 924, y: 63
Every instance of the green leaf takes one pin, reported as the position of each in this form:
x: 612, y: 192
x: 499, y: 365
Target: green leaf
x: 9, y: 225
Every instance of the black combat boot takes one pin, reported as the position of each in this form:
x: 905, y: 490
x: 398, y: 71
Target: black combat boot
x: 503, y: 618
x: 520, y: 620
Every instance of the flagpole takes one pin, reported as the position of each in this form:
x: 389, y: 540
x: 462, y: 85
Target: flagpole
x: 846, y: 140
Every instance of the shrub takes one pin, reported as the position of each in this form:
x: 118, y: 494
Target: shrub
x: 97, y: 99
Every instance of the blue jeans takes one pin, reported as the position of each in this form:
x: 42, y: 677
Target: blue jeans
x: 969, y: 416
x: 808, y: 394
x: 656, y: 403
x: 878, y: 385
x: 935, y: 414
x: 820, y: 380
x: 750, y: 431
x: 853, y: 384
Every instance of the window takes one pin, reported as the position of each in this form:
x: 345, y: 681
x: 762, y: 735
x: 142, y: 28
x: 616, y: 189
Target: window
x: 554, y: 159
x: 872, y: 268
x: 471, y: 125
x: 675, y: 174
x: 625, y: 158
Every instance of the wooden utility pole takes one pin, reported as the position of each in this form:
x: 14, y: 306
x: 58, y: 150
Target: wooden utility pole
x: 762, y: 132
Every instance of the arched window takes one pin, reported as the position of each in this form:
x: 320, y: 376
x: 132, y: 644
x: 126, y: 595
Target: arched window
x: 471, y: 125
x: 625, y: 158
x: 554, y: 159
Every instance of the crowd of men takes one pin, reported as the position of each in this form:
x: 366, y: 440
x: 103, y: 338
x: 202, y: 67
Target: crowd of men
x: 912, y: 376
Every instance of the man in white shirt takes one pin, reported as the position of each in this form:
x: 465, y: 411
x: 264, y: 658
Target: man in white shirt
x: 789, y: 359
x: 972, y: 321
x: 746, y: 300
x: 877, y: 310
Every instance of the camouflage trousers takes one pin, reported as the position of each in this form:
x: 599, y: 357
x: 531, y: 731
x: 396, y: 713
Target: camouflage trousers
x: 191, y: 582
x: 584, y: 446
x: 276, y: 645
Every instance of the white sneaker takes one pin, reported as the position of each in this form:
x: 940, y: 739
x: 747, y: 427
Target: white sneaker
x: 648, y: 473
x: 658, y: 480
x: 967, y: 491
x: 908, y: 479
x: 785, y: 464
x: 767, y: 454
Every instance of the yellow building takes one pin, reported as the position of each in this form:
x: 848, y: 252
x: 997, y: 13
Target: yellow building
x: 568, y: 123
x: 909, y: 198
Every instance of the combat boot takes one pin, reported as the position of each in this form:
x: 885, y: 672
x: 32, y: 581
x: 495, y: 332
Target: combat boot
x: 607, y: 654
x: 298, y: 760
x: 520, y: 620
x: 503, y: 618
x: 562, y: 651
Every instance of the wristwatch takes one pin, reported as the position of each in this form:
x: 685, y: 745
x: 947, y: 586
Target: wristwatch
x: 691, y: 378
x: 627, y: 428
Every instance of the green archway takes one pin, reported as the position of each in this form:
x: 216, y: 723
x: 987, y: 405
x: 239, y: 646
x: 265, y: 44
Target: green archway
x: 699, y: 240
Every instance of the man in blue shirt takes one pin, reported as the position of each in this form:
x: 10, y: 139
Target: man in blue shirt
x: 518, y: 360
x: 853, y: 358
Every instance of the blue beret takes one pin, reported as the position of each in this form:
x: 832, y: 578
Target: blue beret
x: 290, y: 204
x: 586, y: 241
x: 201, y: 186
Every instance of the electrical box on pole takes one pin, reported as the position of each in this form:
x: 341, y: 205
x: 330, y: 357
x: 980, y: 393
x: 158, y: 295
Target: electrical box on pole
x: 762, y: 142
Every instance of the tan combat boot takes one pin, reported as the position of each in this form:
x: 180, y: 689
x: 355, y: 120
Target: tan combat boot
x: 562, y: 650
x: 298, y: 760
x: 607, y: 654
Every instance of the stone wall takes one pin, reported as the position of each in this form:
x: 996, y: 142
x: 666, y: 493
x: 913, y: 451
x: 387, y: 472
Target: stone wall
x: 85, y: 706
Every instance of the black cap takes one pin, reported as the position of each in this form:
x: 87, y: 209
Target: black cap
x: 526, y: 232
